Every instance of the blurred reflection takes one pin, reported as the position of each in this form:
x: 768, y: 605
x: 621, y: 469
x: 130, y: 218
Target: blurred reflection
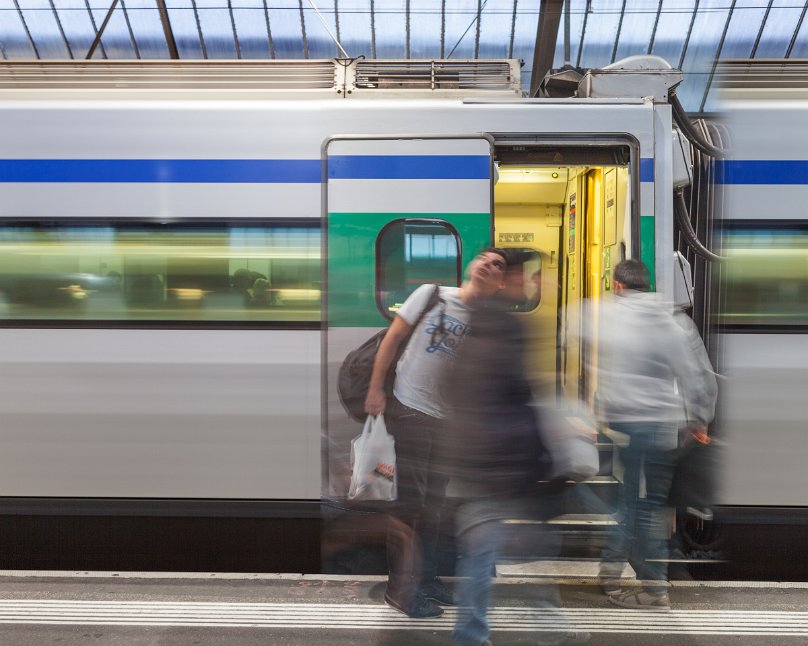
x: 766, y: 274
x: 160, y: 272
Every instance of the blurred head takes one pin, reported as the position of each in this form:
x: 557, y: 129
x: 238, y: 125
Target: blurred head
x: 631, y: 274
x: 487, y: 270
x: 513, y: 289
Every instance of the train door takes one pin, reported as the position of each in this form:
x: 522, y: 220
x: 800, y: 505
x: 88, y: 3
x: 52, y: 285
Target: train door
x: 576, y: 219
x: 397, y: 213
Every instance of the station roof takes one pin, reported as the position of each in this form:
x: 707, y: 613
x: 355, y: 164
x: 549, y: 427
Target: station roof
x: 690, y: 34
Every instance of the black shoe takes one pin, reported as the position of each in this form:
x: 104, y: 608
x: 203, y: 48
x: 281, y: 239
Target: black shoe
x: 437, y: 591
x: 420, y: 608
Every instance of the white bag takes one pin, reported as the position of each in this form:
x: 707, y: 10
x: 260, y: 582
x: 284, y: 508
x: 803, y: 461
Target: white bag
x: 373, y: 463
x: 569, y: 436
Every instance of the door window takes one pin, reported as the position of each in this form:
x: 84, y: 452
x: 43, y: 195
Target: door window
x: 410, y: 253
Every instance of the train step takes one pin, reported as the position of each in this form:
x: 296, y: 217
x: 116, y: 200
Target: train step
x: 555, y: 569
x: 568, y: 536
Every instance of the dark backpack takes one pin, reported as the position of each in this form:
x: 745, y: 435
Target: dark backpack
x: 355, y: 372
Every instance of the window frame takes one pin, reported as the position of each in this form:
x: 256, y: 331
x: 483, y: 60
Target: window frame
x: 379, y: 272
x: 225, y: 224
x: 754, y: 225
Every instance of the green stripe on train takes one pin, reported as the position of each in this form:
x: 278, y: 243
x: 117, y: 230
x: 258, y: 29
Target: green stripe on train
x: 351, y: 257
x: 648, y: 247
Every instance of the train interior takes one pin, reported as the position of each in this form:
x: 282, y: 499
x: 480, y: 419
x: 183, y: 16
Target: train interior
x: 572, y: 223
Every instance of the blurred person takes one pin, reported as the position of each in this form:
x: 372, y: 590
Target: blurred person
x: 654, y: 378
x: 492, y: 452
x: 535, y: 298
x: 415, y: 417
x: 513, y: 295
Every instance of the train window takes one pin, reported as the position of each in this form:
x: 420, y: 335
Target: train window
x: 523, y: 280
x: 766, y: 275
x: 127, y: 272
x: 410, y: 253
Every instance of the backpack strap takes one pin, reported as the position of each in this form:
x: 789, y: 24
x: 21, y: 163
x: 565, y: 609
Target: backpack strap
x: 434, y: 299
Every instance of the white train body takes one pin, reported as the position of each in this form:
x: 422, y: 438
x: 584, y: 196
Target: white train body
x: 763, y: 345
x: 233, y: 410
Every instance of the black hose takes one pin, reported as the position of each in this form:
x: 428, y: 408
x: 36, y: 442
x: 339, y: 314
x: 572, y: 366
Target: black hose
x: 693, y: 136
x: 686, y: 228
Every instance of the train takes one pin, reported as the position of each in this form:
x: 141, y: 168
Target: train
x: 189, y: 251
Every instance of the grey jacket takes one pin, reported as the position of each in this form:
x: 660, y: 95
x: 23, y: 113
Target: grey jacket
x: 652, y: 364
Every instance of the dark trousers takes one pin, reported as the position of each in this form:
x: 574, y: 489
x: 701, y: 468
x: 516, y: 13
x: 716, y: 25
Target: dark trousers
x: 412, y: 537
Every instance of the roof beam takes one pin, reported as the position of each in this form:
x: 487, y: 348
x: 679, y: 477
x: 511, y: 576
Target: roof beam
x: 169, y: 33
x: 95, y: 27
x: 100, y: 32
x: 25, y: 27
x: 796, y: 32
x: 546, y: 39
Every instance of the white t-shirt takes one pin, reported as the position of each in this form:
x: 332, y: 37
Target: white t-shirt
x: 424, y: 365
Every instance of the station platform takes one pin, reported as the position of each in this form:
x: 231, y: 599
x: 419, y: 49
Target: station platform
x: 138, y: 608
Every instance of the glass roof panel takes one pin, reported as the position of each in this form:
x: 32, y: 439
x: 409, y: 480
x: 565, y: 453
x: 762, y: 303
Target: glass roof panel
x: 145, y: 21
x: 321, y: 45
x: 638, y: 24
x: 13, y: 39
x: 673, y: 26
x: 390, y: 28
x: 44, y: 30
x: 77, y: 25
x: 116, y: 39
x: 287, y: 33
x: 461, y: 28
x: 495, y: 29
x: 577, y: 17
x: 702, y: 48
x: 354, y: 27
x: 800, y: 49
x: 779, y: 29
x: 184, y: 26
x: 743, y: 29
x: 425, y: 21
x: 601, y: 31
x: 251, y: 27
x: 527, y: 22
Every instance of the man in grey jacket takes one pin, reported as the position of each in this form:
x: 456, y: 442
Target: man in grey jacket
x: 654, y: 377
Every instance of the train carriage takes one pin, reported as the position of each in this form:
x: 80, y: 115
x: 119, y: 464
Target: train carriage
x: 185, y: 264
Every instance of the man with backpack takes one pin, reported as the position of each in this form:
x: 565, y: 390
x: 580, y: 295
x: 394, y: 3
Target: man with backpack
x: 415, y: 417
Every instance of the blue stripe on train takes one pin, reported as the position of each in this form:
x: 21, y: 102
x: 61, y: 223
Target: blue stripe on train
x: 202, y: 171
x: 758, y: 171
x: 409, y: 167
x: 254, y: 171
x: 247, y: 171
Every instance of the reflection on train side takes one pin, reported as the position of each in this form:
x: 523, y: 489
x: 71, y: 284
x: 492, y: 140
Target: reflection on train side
x: 160, y: 272
x: 766, y: 274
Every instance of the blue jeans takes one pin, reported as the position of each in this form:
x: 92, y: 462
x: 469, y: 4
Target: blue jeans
x: 480, y: 534
x: 642, y: 537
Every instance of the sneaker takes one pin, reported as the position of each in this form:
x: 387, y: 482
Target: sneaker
x: 420, y: 608
x: 610, y: 586
x: 437, y: 591
x: 641, y: 600
x: 562, y: 639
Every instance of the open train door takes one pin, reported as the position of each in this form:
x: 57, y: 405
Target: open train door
x: 398, y: 212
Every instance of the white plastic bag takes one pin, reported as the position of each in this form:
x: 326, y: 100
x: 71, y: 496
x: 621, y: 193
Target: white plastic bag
x: 373, y: 463
x: 569, y: 435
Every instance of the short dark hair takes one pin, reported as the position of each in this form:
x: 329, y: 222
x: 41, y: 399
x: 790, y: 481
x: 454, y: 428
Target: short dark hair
x: 498, y: 251
x: 633, y: 274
